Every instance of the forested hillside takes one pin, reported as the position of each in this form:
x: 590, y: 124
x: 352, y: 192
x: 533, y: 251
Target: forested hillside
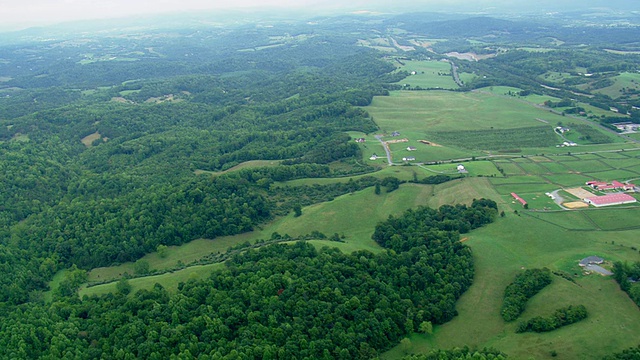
x: 281, y: 301
x: 121, y: 143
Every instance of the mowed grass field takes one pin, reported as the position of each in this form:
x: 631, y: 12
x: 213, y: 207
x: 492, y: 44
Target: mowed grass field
x: 624, y: 80
x: 428, y: 75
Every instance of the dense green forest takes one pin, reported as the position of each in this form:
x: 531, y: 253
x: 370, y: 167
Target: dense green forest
x: 524, y: 287
x: 279, y: 301
x: 561, y: 317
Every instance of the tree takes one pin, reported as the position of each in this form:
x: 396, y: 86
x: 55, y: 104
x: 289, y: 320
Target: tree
x: 426, y: 327
x: 297, y: 210
x: 405, y: 345
x: 162, y: 251
x: 141, y: 267
x: 377, y: 190
x: 123, y: 286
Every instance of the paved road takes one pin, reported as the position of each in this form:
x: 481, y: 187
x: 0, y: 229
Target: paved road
x: 558, y: 199
x: 386, y: 148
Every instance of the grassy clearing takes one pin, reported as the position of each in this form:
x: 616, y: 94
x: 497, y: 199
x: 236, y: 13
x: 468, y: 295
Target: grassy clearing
x: 554, y: 167
x: 523, y: 188
x: 568, y: 180
x: 588, y: 166
x: 89, y: 139
x: 503, y: 249
x: 463, y: 191
x: 534, y: 168
x: 613, y: 175
x: 615, y: 218
x: 452, y: 111
x: 622, y: 163
x: 625, y: 80
x: 565, y: 220
x: 244, y: 165
x: 169, y: 281
x: 475, y: 168
x: 514, y: 180
x: 54, y: 284
x: 428, y: 75
x: 511, y: 169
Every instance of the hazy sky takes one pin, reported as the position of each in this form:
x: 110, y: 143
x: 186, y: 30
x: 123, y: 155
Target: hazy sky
x: 20, y: 13
x: 54, y: 11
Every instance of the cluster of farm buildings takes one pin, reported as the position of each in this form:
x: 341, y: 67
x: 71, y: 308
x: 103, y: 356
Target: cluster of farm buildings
x: 617, y: 198
x: 610, y: 199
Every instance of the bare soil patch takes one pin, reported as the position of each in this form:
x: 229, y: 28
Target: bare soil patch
x: 430, y: 143
x: 580, y: 193
x: 397, y: 141
x: 575, y: 205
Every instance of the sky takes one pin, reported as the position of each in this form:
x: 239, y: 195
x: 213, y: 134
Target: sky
x: 24, y: 13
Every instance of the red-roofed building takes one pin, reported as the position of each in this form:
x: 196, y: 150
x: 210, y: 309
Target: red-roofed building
x: 521, y: 200
x: 611, y: 199
x: 615, y: 185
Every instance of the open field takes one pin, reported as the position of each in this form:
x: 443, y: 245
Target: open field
x: 89, y: 139
x: 428, y: 75
x: 501, y: 250
x: 625, y: 80
x: 169, y: 281
x: 244, y: 165
x: 475, y: 168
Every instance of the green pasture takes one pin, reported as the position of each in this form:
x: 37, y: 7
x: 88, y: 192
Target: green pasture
x: 588, y: 157
x: 621, y: 163
x: 611, y: 175
x: 428, y: 75
x: 564, y: 220
x: 535, y: 200
x: 463, y: 191
x: 587, y: 166
x: 616, y: 217
x: 625, y: 80
x: 522, y: 179
x: 474, y: 168
x: 524, y: 188
x: 634, y: 169
x: 514, y: 243
x: 534, y: 168
x: 586, y: 133
x: 555, y: 167
x: 514, y: 93
x: 568, y: 180
x: 423, y: 152
x: 169, y: 281
x: 54, y: 284
x: 244, y: 165
x: 466, y: 77
x: 510, y: 168
x: 617, y: 155
x: 452, y: 111
x: 186, y: 254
